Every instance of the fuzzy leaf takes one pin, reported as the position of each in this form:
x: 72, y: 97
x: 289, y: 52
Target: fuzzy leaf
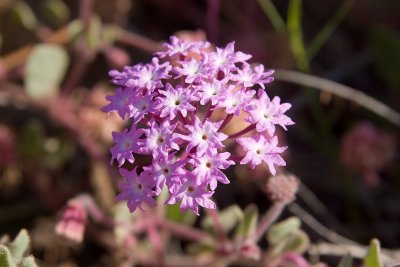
x: 229, y: 217
x: 347, y: 261
x: 373, y: 258
x: 5, y: 257
x: 94, y: 32
x: 295, y: 242
x: 56, y: 10
x: 24, y: 15
x: 174, y: 213
x: 247, y: 226
x: 282, y: 229
x: 44, y: 70
x: 20, y: 245
x: 28, y: 262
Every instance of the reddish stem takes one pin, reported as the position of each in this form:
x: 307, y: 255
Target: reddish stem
x: 245, y: 130
x: 227, y: 119
x: 269, y: 218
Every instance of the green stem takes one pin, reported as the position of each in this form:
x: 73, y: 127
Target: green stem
x: 273, y: 15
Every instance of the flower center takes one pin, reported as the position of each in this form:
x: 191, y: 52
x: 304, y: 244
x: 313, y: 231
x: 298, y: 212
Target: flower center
x: 160, y: 140
x: 204, y: 137
x: 177, y: 102
x: 190, y: 189
x: 208, y: 164
x: 166, y: 171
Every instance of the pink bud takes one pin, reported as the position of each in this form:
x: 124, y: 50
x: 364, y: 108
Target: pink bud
x: 73, y: 221
x: 282, y: 188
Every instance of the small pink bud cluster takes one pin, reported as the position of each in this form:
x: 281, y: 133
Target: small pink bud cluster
x: 282, y: 188
x: 368, y: 150
x: 170, y: 102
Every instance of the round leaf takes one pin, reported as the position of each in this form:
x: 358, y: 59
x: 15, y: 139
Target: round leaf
x: 44, y: 70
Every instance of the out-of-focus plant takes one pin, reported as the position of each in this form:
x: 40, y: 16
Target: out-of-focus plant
x: 14, y: 253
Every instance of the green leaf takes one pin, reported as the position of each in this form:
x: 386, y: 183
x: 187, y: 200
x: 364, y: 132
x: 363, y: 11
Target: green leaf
x: 56, y: 10
x: 28, y: 262
x: 20, y: 245
x: 295, y: 242
x: 44, y: 70
x: 296, y: 35
x: 94, y: 37
x: 5, y: 257
x: 373, y: 258
x: 24, y: 15
x: 174, y: 213
x: 282, y: 229
x: 326, y: 32
x: 247, y: 226
x: 229, y: 218
x: 385, y: 44
x: 273, y: 15
x: 347, y: 261
x: 31, y: 140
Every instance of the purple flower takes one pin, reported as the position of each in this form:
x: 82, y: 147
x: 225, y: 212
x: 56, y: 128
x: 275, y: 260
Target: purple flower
x: 192, y: 195
x: 211, y: 91
x: 225, y: 58
x: 267, y: 113
x: 159, y: 138
x: 248, y: 78
x: 136, y: 189
x: 165, y: 169
x: 141, y: 106
x: 235, y: 100
x: 164, y: 101
x: 208, y: 168
x: 175, y: 100
x: 178, y: 47
x: 120, y: 102
x: 203, y: 135
x: 149, y: 76
x: 193, y: 71
x: 126, y: 143
x: 259, y: 149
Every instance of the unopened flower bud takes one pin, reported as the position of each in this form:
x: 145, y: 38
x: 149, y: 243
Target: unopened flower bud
x: 73, y: 221
x: 282, y: 188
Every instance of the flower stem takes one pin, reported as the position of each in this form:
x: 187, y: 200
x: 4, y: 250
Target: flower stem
x: 245, y: 130
x: 184, y: 231
x: 268, y: 218
x: 209, y: 112
x: 227, y: 119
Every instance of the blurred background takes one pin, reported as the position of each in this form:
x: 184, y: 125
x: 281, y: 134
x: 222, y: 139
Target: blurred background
x: 54, y: 141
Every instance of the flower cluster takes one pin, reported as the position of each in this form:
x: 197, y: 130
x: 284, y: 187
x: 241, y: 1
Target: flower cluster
x: 170, y: 102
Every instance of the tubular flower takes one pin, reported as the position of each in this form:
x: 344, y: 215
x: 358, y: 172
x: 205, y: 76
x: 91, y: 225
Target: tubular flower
x: 170, y: 102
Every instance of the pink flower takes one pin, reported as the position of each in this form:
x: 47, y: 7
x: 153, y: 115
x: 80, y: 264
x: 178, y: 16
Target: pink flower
x: 159, y: 139
x: 192, y: 195
x: 120, y: 102
x: 126, y: 143
x: 136, y: 189
x: 176, y: 100
x: 208, y: 168
x: 266, y: 113
x: 260, y: 149
x: 203, y: 135
x: 164, y: 103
